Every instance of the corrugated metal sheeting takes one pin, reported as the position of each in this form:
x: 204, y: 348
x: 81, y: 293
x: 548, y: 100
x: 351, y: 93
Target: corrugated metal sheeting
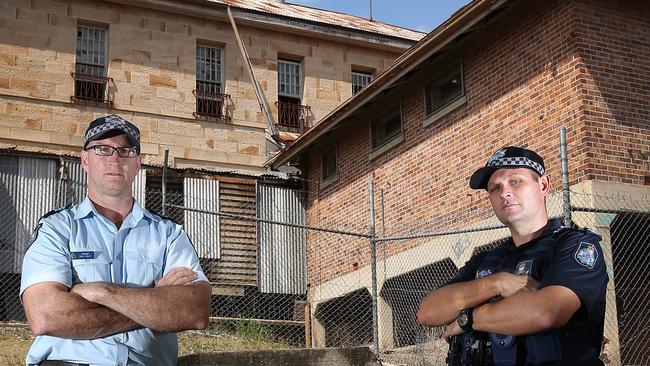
x: 283, y: 249
x: 238, y: 262
x: 27, y: 192
x: 74, y: 184
x: 202, y: 228
x: 140, y: 187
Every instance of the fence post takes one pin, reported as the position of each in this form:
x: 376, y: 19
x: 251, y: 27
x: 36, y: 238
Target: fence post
x: 564, y: 163
x: 373, y: 267
x: 164, y: 181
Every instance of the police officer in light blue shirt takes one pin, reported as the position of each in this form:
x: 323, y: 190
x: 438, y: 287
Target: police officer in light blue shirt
x: 106, y: 282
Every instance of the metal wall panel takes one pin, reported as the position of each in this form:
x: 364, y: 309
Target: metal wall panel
x: 28, y: 187
x: 237, y: 264
x: 282, y: 260
x: 140, y: 187
x: 202, y: 228
x: 8, y: 186
x: 74, y: 183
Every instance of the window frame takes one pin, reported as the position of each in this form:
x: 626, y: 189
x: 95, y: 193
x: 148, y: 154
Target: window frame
x: 335, y: 174
x: 361, y: 74
x: 90, y: 81
x: 299, y: 93
x: 384, y: 118
x: 104, y: 67
x: 443, y: 78
x: 220, y: 69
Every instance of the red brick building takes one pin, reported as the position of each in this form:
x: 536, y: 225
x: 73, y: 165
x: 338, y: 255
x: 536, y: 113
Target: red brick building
x: 496, y: 73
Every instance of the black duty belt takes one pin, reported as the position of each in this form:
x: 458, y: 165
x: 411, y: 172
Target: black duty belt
x: 61, y: 363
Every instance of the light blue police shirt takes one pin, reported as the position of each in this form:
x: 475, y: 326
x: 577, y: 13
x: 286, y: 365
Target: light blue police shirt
x: 79, y: 245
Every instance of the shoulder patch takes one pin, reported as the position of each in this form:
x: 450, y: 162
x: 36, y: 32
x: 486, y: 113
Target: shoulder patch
x: 586, y: 255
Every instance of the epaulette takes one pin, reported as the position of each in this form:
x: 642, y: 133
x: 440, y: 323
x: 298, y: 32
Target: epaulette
x: 164, y: 217
x: 56, y: 210
x: 588, y: 231
x: 583, y: 230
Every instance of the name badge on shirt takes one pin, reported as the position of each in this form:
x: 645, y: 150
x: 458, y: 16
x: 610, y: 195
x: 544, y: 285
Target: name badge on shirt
x: 82, y: 255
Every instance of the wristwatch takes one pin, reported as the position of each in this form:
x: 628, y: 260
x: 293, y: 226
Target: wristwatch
x: 466, y: 319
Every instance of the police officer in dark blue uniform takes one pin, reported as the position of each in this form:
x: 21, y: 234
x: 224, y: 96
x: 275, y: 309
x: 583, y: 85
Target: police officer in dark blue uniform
x: 538, y: 299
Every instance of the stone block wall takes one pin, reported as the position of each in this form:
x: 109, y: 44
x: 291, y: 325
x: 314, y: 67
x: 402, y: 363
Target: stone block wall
x: 152, y: 63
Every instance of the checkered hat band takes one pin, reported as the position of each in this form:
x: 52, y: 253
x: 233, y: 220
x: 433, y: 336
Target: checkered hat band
x: 112, y: 125
x: 518, y: 161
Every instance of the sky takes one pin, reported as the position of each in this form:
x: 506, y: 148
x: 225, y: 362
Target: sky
x: 421, y: 15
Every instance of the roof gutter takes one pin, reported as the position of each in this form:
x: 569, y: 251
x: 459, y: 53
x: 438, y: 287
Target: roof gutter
x: 459, y: 23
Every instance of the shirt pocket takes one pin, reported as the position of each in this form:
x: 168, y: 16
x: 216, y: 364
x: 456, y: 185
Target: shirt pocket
x: 143, y: 266
x: 95, y: 269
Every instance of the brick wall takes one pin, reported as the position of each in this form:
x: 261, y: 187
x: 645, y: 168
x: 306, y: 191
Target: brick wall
x: 151, y: 59
x: 542, y: 66
x: 615, y: 49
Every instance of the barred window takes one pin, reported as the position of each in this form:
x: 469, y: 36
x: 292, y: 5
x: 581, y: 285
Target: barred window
x: 289, y: 79
x: 360, y: 80
x: 209, y: 69
x: 91, y: 51
x: 90, y: 81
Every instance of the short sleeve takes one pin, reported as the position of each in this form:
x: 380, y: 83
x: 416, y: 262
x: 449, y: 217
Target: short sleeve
x: 578, y: 264
x: 48, y: 257
x: 181, y: 253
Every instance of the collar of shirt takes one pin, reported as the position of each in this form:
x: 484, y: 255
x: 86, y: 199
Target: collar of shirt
x: 551, y: 226
x: 86, y: 208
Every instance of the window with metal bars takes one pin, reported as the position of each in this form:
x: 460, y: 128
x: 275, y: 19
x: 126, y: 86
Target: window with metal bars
x: 291, y: 113
x: 289, y: 82
x: 210, y: 101
x: 90, y: 81
x: 360, y: 80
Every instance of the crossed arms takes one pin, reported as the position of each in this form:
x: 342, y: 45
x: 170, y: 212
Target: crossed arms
x: 99, y: 309
x: 524, y: 309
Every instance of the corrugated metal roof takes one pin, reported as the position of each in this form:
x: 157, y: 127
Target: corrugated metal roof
x: 324, y: 17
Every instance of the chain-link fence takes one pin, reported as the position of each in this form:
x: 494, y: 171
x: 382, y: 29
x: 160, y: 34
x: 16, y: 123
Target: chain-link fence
x: 426, y: 261
x: 279, y: 283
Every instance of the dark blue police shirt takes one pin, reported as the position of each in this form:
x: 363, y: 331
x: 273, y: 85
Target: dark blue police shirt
x: 558, y: 257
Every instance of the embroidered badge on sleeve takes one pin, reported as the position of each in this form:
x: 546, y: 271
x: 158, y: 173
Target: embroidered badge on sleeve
x: 586, y: 255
